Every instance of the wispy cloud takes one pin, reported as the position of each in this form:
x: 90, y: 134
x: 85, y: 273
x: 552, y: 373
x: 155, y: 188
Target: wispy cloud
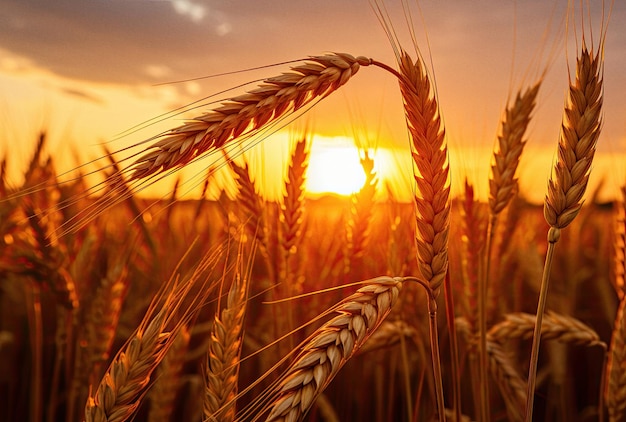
x: 194, y: 11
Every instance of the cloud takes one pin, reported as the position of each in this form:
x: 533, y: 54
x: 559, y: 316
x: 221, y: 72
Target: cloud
x: 157, y: 71
x: 194, y: 11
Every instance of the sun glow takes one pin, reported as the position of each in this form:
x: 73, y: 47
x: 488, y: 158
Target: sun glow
x: 334, y: 169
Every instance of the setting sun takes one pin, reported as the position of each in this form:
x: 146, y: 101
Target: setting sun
x: 334, y: 169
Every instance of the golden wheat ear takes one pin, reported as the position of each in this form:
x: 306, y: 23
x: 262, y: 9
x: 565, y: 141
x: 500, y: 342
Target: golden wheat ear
x: 244, y: 115
x: 125, y: 383
x: 224, y: 354
x: 580, y: 130
x: 508, y: 151
x: 322, y: 355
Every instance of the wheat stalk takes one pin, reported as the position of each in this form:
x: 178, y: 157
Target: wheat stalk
x: 329, y: 348
x: 580, y: 130
x: 619, y: 246
x: 222, y: 368
x: 615, y: 389
x: 502, y: 188
x: 432, y: 200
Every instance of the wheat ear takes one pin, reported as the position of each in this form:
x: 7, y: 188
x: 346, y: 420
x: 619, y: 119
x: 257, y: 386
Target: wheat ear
x: 98, y: 332
x: 580, y: 130
x: 168, y: 380
x: 222, y: 371
x: 125, y: 382
x: 432, y: 201
x: 329, y: 348
x: 361, y: 211
x: 473, y: 230
x: 508, y: 151
x: 243, y: 115
x: 557, y: 327
x: 511, y: 384
x: 292, y: 211
x: 430, y: 156
x: 119, y: 394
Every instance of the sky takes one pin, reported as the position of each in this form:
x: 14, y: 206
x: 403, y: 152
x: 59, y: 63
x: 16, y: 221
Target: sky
x: 87, y: 70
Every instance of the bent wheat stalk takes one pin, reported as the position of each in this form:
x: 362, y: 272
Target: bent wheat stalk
x: 557, y: 327
x: 580, y: 130
x: 329, y: 348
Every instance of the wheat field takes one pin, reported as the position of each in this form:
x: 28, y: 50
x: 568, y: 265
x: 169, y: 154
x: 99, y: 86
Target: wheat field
x: 115, y: 306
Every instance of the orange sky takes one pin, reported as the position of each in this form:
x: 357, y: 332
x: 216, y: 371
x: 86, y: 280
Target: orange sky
x: 86, y: 71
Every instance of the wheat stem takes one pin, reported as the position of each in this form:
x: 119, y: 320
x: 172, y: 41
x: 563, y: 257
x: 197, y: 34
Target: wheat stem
x: 454, y: 349
x: 553, y: 237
